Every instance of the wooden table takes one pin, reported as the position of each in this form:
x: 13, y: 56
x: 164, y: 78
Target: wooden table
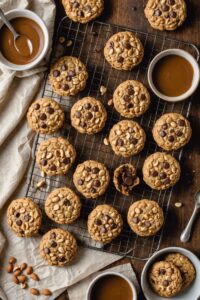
x: 130, y: 13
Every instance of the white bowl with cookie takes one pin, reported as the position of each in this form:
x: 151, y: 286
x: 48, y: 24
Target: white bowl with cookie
x: 173, y: 273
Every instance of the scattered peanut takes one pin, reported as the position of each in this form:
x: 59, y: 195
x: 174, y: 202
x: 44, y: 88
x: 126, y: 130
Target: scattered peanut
x: 12, y: 260
x: 106, y: 141
x: 29, y: 270
x: 15, y: 279
x: 17, y: 272
x: 103, y: 90
x: 9, y: 268
x: 34, y: 277
x: 21, y: 278
x: 40, y: 184
x: 23, y: 266
x: 34, y: 291
x: 68, y: 43
x: 178, y: 204
x: 46, y: 292
x: 24, y: 285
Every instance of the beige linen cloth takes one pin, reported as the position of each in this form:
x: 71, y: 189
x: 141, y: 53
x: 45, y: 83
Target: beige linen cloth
x: 17, y: 90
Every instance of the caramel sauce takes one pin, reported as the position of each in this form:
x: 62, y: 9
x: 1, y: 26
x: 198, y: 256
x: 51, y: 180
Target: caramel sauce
x: 111, y: 287
x: 27, y: 47
x: 173, y: 75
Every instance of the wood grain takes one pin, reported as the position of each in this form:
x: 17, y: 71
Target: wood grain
x: 130, y: 13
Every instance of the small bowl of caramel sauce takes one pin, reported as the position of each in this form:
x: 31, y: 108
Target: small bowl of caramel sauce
x: 111, y: 286
x: 173, y: 75
x: 32, y: 45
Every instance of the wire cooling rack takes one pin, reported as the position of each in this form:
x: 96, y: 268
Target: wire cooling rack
x: 87, y: 43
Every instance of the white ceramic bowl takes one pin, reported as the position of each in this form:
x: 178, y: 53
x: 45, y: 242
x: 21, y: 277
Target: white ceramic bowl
x: 111, y: 273
x: 190, y: 293
x: 15, y: 13
x: 194, y: 65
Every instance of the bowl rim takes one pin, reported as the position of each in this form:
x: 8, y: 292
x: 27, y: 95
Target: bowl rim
x: 106, y: 273
x: 14, y: 13
x: 189, y: 58
x: 189, y: 254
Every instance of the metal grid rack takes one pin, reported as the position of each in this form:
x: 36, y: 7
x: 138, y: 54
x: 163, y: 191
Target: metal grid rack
x: 87, y: 43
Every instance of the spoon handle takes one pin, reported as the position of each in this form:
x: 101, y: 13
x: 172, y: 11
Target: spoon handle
x: 185, y: 236
x: 5, y: 21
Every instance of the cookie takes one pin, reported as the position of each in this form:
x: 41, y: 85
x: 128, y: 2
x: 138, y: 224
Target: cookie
x: 58, y: 247
x: 124, y: 51
x: 145, y: 217
x: 63, y: 206
x: 172, y: 131
x: 68, y: 76
x: 131, y: 99
x: 166, y: 14
x: 161, y: 171
x: 104, y: 223
x: 45, y: 116
x: 125, y: 179
x: 127, y: 138
x: 185, y: 266
x: 24, y: 217
x: 91, y: 178
x: 55, y: 156
x: 83, y: 11
x: 165, y: 279
x: 88, y: 115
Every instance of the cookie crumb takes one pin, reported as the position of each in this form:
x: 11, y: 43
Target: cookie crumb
x: 178, y: 204
x: 110, y: 102
x: 103, y: 90
x: 69, y: 43
x: 61, y: 39
x: 106, y: 141
x: 40, y: 184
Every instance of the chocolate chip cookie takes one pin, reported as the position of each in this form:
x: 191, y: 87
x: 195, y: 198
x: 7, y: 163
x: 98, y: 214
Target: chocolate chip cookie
x: 68, y: 76
x: 161, y: 171
x: 88, y: 115
x: 124, y: 51
x: 172, y: 131
x: 55, y: 156
x: 58, y: 247
x: 125, y: 179
x: 185, y: 266
x: 24, y: 217
x: 131, y: 99
x: 104, y: 223
x: 45, y: 116
x: 63, y: 206
x: 91, y: 178
x: 127, y: 138
x: 165, y: 279
x: 166, y: 14
x: 145, y: 217
x: 83, y: 11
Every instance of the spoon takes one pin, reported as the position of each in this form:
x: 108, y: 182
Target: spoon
x: 185, y: 236
x: 22, y: 43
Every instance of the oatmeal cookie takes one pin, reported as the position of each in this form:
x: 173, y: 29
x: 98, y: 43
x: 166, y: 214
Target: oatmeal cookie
x: 91, y: 178
x: 58, y: 247
x: 63, y: 206
x: 88, y: 115
x: 161, y: 171
x: 104, y: 223
x: 45, y: 116
x: 131, y: 99
x: 24, y: 217
x: 145, y: 217
x: 68, y: 76
x: 172, y: 131
x: 55, y: 156
x: 127, y: 138
x: 124, y: 51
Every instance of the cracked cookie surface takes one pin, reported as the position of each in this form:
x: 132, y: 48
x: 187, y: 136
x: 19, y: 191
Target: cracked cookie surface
x: 172, y: 131
x: 63, y: 206
x: 45, y: 116
x: 124, y: 51
x: 24, y: 217
x: 161, y: 171
x: 55, y: 156
x: 131, y: 99
x: 83, y: 11
x: 88, y: 115
x: 58, y: 247
x: 127, y: 138
x: 104, y: 223
x: 68, y: 76
x: 91, y: 178
x: 166, y: 14
x: 145, y: 217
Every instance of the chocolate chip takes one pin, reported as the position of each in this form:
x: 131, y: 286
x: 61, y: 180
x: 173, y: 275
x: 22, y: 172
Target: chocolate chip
x: 113, y: 226
x: 36, y: 106
x: 27, y: 217
x: 64, y: 86
x: 165, y: 7
x: 53, y: 168
x: 89, y: 115
x: 171, y: 2
x: 17, y: 214
x: 87, y: 106
x: 166, y: 181
x: 147, y: 224
x: 72, y: 73
x: 95, y: 108
x: 66, y: 160
x: 135, y: 220
x: 56, y: 73
x: 127, y: 45
x: 143, y: 97
x: 68, y: 78
x: 120, y: 59
x: 67, y: 203
x: 61, y: 259
x: 92, y: 190
x: 162, y: 175
x: 95, y: 170
x: 164, y: 126
x: 50, y: 110
x: 64, y: 68
x: 173, y: 14
x: 54, y: 244
x: 165, y: 283
x: 127, y: 98
x: 181, y: 123
x: 43, y: 125
x: 80, y: 13
x: 162, y: 271
x: 128, y: 180
x: 166, y: 165
x: 76, y: 4
x: 97, y: 222
x: 120, y: 142
x: 129, y: 105
x: 88, y: 169
x: 111, y: 45
x: 43, y: 116
x: 83, y: 124
x: 53, y: 235
x: 130, y: 90
x: 179, y: 133
x: 87, y: 8
x: 157, y: 13
x: 80, y: 182
x: 19, y: 222
x: 133, y: 141
x: 78, y: 114
x: 46, y: 250
x: 43, y: 162
x: 154, y: 173
x: 162, y: 133
x: 103, y: 229
x: 171, y: 138
x: 96, y: 183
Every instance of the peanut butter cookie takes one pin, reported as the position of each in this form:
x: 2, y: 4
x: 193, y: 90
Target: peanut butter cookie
x: 104, y: 223
x: 124, y: 51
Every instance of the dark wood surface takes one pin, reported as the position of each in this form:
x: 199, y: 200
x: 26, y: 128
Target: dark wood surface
x: 130, y: 13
